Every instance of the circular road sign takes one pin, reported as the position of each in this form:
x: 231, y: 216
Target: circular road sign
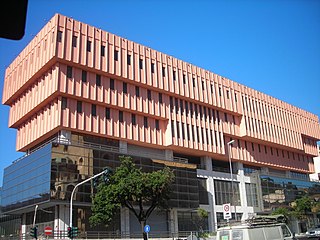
x: 48, y: 230
x: 226, y: 207
x: 146, y: 228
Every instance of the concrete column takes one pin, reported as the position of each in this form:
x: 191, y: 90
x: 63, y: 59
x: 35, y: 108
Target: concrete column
x: 212, y: 214
x: 206, y: 163
x: 125, y: 222
x: 61, y: 220
x: 23, y: 227
x: 168, y: 155
x: 123, y: 147
x: 242, y: 190
x: 173, y: 221
x: 56, y: 222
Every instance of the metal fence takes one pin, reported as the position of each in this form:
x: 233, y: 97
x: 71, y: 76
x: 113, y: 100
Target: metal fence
x: 107, y: 236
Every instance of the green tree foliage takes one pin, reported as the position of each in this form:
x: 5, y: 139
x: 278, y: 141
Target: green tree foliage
x: 282, y: 211
x: 202, y: 216
x: 301, y: 207
x: 129, y: 187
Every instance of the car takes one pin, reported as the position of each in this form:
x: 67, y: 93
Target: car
x: 261, y: 228
x: 314, y: 232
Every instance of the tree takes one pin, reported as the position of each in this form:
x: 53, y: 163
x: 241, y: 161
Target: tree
x: 282, y: 211
x: 301, y: 207
x: 202, y: 216
x: 129, y: 187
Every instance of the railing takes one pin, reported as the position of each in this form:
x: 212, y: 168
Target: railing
x: 106, y: 235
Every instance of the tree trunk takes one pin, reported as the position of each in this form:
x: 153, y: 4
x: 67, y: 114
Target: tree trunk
x: 144, y: 234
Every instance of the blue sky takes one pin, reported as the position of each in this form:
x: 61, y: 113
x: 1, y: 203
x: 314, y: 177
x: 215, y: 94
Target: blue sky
x: 271, y: 46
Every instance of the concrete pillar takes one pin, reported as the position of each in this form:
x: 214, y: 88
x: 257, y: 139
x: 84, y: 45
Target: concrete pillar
x: 61, y: 220
x: 168, y: 155
x: 242, y: 191
x: 125, y: 222
x: 173, y: 222
x: 212, y: 214
x: 123, y: 147
x: 23, y: 227
x: 206, y: 163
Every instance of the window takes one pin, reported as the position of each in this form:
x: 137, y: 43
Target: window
x: 149, y: 95
x: 184, y: 79
x: 227, y: 94
x: 235, y: 97
x: 172, y: 128
x: 160, y: 98
x: 88, y: 46
x: 157, y: 124
x: 226, y: 117
x: 125, y: 88
x: 69, y: 72
x: 64, y: 103
x: 120, y: 116
x: 145, y: 122
x: 212, y: 88
x: 152, y: 67
x: 252, y: 196
x: 116, y: 53
x: 133, y: 119
x: 107, y: 113
x: 174, y: 75
x: 178, y: 129
x: 163, y: 71
x: 224, y: 192
x: 98, y: 80
x: 103, y: 50
x: 79, y: 106
x: 59, y: 36
x: 111, y: 83
x: 137, y: 91
x: 93, y: 110
x: 220, y: 91
x: 74, y: 41
x: 171, y: 104
x: 194, y: 82
x: 203, y: 85
x: 183, y: 132
x: 176, y: 104
x: 140, y: 63
x: 84, y: 76
x: 129, y: 59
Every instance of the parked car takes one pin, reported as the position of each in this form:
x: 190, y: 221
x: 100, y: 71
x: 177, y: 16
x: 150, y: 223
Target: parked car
x: 266, y: 228
x: 314, y: 232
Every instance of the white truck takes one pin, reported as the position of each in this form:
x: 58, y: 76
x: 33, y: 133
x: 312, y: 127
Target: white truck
x: 257, y: 228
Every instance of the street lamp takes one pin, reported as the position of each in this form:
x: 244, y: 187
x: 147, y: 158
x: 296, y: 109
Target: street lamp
x: 74, y: 189
x: 231, y: 175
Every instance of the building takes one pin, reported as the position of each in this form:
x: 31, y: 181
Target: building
x: 80, y: 96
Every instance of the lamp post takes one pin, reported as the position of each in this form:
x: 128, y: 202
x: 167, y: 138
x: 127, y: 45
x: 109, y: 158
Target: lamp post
x: 231, y: 175
x: 74, y: 189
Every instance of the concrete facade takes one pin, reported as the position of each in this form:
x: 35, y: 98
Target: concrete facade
x: 75, y: 78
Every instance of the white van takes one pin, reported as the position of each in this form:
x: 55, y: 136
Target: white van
x: 255, y: 230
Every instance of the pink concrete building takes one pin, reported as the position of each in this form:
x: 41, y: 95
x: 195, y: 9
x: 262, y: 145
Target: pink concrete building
x: 75, y: 79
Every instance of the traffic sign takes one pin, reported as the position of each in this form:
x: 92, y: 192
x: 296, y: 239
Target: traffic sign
x: 226, y: 211
x: 146, y: 228
x: 48, y: 230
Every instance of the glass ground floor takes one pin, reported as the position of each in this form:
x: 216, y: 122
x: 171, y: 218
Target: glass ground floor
x: 48, y: 174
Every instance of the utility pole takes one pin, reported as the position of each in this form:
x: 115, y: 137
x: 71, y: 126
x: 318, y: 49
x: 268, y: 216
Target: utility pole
x: 231, y: 175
